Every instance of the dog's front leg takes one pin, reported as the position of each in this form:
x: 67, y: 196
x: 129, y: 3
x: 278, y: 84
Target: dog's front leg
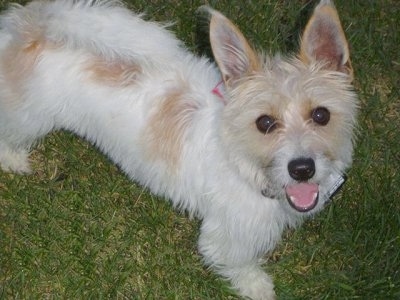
x: 250, y: 281
x: 234, y: 255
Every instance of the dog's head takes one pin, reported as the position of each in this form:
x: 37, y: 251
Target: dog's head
x: 288, y: 123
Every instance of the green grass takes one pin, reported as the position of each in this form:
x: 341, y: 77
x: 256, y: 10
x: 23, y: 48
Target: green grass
x: 78, y: 229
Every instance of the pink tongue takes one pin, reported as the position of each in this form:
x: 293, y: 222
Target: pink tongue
x: 302, y: 196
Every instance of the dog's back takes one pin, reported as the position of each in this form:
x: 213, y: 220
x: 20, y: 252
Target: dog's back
x: 105, y: 28
x: 100, y: 71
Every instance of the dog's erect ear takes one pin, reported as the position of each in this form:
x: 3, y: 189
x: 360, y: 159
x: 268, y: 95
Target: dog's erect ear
x: 232, y: 52
x: 324, y: 40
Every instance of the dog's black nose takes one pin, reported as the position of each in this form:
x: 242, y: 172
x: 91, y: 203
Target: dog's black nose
x: 301, y: 169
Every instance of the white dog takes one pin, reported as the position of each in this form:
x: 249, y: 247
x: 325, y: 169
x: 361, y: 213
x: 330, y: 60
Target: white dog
x: 250, y: 147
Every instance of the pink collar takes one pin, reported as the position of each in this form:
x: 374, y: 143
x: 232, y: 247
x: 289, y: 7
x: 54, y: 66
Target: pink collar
x: 218, y: 90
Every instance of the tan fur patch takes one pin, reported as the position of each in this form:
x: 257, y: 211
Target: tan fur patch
x: 18, y: 61
x: 167, y: 127
x: 306, y: 109
x: 113, y: 73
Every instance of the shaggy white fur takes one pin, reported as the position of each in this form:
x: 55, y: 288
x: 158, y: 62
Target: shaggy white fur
x: 248, y: 165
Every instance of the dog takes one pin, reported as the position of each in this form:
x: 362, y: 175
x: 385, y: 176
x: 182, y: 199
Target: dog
x: 251, y: 145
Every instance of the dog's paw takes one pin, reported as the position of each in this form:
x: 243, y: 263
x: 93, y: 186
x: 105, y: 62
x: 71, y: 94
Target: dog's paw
x: 15, y: 161
x: 255, y: 284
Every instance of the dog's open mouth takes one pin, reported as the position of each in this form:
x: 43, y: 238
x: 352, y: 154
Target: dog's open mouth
x: 302, y: 196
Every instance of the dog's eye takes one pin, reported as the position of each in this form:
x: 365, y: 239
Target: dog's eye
x: 266, y: 124
x: 321, y: 115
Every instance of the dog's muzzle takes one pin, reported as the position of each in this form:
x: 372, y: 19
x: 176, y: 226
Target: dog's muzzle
x: 302, y: 196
